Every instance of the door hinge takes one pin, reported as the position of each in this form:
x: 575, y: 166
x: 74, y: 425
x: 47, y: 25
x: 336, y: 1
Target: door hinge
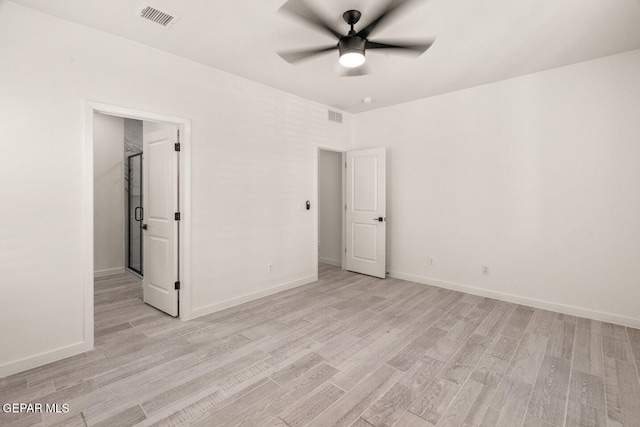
x: 345, y: 250
x: 177, y: 285
x: 177, y: 216
x: 177, y: 146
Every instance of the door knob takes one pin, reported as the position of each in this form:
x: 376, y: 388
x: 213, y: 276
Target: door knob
x: 143, y: 226
x: 380, y: 219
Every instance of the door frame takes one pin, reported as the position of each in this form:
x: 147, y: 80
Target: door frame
x: 317, y: 210
x: 184, y: 191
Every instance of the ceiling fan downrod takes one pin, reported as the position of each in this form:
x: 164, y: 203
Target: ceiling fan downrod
x: 351, y: 17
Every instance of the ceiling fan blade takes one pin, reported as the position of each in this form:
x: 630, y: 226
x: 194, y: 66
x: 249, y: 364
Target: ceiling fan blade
x: 302, y: 10
x: 407, y: 47
x: 299, y: 55
x: 391, y: 9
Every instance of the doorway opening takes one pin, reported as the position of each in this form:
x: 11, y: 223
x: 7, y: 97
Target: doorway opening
x: 122, y: 179
x: 357, y: 179
x: 331, y: 210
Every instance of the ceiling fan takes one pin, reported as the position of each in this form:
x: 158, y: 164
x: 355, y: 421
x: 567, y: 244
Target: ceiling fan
x: 353, y: 45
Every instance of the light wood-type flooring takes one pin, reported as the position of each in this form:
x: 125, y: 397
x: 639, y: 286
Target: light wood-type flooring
x: 347, y: 350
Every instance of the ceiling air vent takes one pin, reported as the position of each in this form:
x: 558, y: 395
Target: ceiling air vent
x: 335, y: 116
x: 154, y: 15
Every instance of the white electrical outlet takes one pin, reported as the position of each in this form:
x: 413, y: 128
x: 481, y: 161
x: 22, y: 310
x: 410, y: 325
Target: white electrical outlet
x: 430, y: 261
x: 269, y: 268
x: 485, y: 270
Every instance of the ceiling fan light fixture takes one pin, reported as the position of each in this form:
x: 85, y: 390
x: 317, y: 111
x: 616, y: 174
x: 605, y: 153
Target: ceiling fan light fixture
x: 352, y: 59
x: 351, y: 51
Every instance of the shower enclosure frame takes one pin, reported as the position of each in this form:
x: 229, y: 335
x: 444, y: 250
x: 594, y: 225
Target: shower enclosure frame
x: 137, y: 220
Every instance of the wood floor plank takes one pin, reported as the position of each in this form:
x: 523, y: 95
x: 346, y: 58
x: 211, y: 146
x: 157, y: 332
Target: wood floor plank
x: 614, y: 331
x: 360, y: 422
x: 284, y: 397
x: 444, y: 348
x: 388, y: 409
x: 616, y: 348
x: 307, y: 409
x: 202, y: 377
x: 348, y: 408
x: 462, y: 364
x: 102, y: 403
x: 432, y: 403
x: 541, y: 322
x: 275, y: 422
x: 126, y: 418
x: 634, y: 340
x: 526, y: 361
x: 479, y: 408
x: 297, y: 368
x: 622, y: 388
x: 490, y: 370
x: 613, y: 398
x: 409, y: 419
x: 496, y: 319
x: 549, y: 394
x: 422, y: 373
x: 503, y: 347
x: 586, y: 406
x: 189, y: 411
x: 518, y: 322
x: 368, y: 359
x: 587, y: 354
x: 509, y: 403
x: 459, y: 408
x: 560, y: 343
x: 531, y: 421
x: 413, y: 351
x: 223, y: 413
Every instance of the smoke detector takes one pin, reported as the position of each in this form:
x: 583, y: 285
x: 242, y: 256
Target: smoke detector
x: 152, y: 14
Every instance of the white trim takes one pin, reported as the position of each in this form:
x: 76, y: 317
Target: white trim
x: 203, y: 311
x: 43, y: 358
x: 334, y: 262
x: 108, y: 272
x: 516, y: 299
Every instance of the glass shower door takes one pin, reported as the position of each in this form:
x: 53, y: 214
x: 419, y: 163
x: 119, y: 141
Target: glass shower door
x: 135, y: 213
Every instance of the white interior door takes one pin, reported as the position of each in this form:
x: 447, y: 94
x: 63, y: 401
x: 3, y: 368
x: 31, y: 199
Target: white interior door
x: 366, y: 212
x: 160, y: 242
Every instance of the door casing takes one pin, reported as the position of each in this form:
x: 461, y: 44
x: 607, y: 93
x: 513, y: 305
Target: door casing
x: 87, y: 209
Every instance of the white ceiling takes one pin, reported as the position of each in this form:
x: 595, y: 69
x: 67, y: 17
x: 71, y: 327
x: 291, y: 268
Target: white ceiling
x: 477, y: 41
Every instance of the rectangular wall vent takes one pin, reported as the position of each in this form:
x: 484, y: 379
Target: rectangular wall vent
x: 334, y: 116
x: 154, y: 15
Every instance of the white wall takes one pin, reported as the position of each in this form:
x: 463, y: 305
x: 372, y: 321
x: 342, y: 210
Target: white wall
x: 108, y: 190
x: 330, y: 207
x: 252, y: 167
x: 537, y: 177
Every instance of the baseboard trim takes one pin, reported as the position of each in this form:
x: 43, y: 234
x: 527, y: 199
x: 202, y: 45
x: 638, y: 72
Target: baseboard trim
x: 43, y: 358
x: 108, y: 272
x: 530, y: 302
x: 209, y: 309
x: 334, y: 262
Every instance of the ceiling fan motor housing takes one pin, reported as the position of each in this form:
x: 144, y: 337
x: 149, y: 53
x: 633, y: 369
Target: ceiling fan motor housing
x: 351, y: 44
